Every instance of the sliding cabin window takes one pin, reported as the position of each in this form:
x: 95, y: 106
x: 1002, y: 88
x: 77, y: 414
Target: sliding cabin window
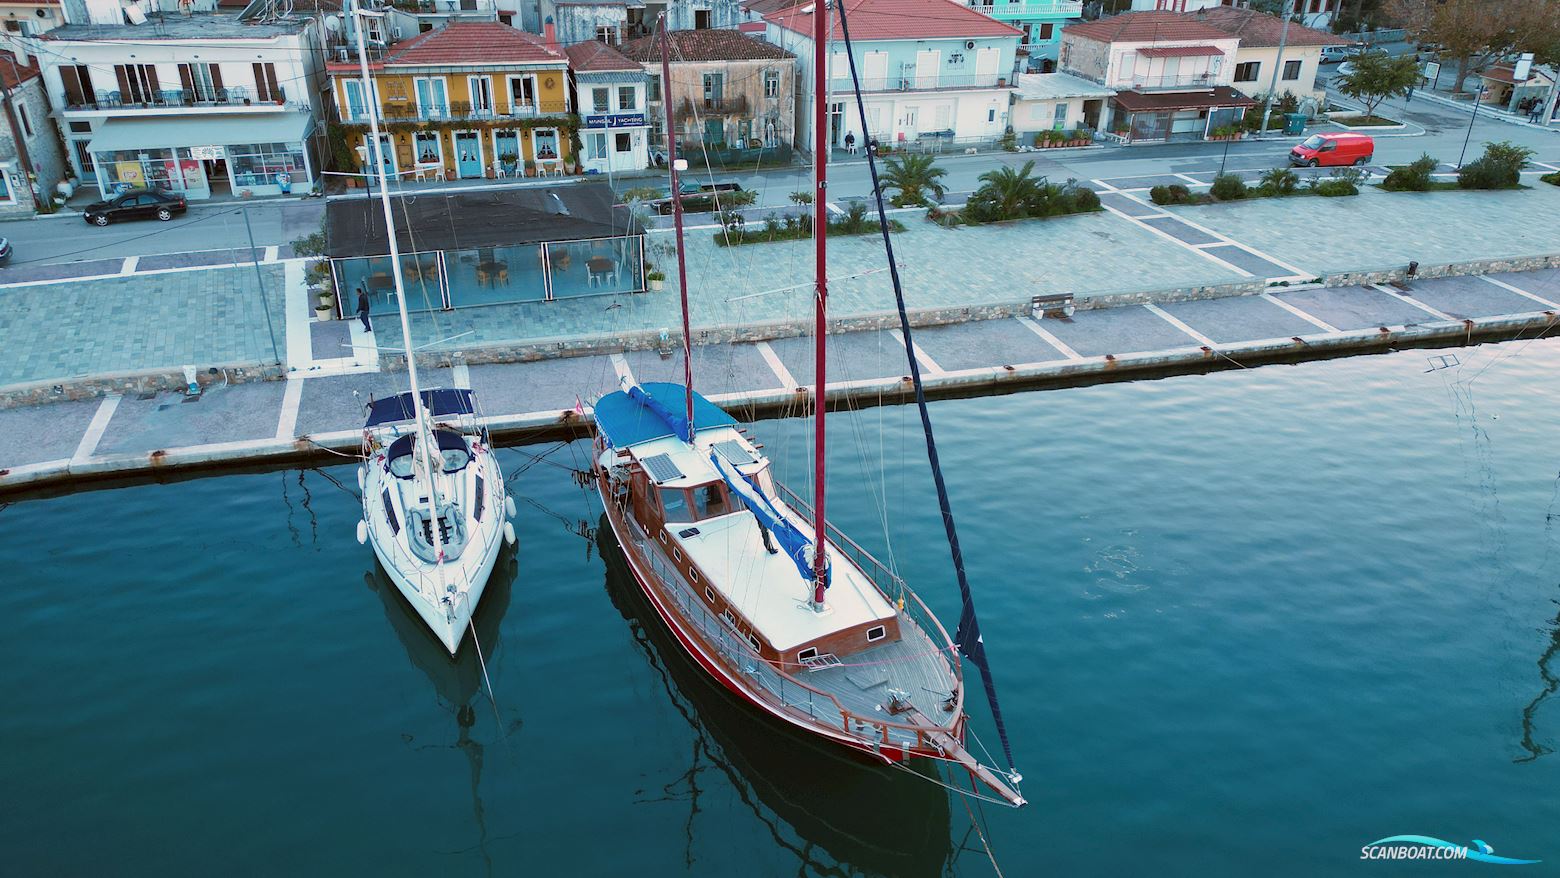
x: 711, y: 500
x: 674, y: 505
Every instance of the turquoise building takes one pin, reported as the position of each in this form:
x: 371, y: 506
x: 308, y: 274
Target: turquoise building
x: 1040, y: 20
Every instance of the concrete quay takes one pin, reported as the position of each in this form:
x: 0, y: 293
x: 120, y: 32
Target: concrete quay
x: 302, y: 420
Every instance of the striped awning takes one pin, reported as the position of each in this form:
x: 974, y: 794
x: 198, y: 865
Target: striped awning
x: 1180, y: 51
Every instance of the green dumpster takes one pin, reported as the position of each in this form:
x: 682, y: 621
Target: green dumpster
x: 1294, y: 123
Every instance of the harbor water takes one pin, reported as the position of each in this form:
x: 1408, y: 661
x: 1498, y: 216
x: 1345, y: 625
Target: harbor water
x: 1245, y: 622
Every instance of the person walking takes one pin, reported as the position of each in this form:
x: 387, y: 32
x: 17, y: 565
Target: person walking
x: 362, y: 309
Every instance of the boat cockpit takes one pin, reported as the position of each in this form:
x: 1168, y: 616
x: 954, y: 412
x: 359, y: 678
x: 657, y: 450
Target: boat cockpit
x: 453, y: 455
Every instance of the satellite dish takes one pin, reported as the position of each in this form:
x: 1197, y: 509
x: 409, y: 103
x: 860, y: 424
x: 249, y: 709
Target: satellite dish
x: 333, y: 23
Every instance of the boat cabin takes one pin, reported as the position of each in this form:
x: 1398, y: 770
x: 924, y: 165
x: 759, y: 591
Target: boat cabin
x: 720, y: 549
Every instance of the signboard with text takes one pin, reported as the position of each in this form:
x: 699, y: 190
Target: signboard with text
x: 207, y: 153
x: 615, y: 120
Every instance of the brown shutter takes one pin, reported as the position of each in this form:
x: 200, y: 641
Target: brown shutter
x: 216, y: 79
x: 122, y: 72
x: 187, y: 80
x: 75, y: 94
x: 151, y: 80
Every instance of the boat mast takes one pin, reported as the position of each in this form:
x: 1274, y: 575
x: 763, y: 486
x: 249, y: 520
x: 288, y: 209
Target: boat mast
x: 821, y: 271
x: 677, y: 218
x: 423, y: 434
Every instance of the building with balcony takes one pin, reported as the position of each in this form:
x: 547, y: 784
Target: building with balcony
x: 732, y: 94
x: 1056, y: 102
x: 407, y: 18
x: 1171, y: 73
x: 929, y: 69
x: 1259, y: 69
x: 201, y: 103
x: 1311, y: 13
x: 30, y: 157
x: 610, y: 91
x: 467, y: 100
x: 1041, y: 22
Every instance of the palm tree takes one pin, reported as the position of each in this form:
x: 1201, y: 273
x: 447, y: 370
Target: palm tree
x: 1006, y: 193
x: 913, y: 175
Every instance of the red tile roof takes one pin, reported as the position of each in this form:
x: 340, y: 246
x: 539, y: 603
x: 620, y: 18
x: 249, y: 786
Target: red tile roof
x: 1260, y: 30
x: 13, y: 75
x: 709, y: 44
x: 900, y: 20
x: 597, y: 57
x: 469, y: 43
x: 1145, y: 27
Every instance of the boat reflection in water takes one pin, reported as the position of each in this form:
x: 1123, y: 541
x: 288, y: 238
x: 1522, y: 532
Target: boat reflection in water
x: 845, y: 816
x: 457, y: 680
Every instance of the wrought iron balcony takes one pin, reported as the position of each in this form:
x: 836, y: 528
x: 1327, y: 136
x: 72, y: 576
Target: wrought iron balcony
x: 1003, y: 9
x: 409, y: 111
x: 1186, y: 80
x: 175, y: 98
x: 910, y: 81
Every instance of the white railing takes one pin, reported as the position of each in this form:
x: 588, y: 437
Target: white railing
x: 1022, y: 8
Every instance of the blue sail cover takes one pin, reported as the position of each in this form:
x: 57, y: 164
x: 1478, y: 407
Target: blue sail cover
x: 626, y: 419
x: 796, y: 545
x: 439, y: 403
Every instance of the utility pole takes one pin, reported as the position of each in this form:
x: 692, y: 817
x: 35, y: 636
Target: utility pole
x: 1278, y: 67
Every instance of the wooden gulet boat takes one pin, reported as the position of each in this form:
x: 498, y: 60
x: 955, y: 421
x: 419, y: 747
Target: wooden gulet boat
x: 763, y: 594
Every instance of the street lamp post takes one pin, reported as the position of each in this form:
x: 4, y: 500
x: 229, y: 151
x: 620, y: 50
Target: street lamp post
x: 1477, y: 98
x: 1278, y: 67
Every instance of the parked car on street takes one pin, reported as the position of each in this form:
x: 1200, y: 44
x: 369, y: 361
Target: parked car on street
x: 1334, y: 149
x: 1334, y: 54
x: 5, y: 250
x: 135, y: 204
x: 698, y: 197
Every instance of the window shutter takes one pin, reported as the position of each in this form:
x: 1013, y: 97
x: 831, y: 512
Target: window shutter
x: 216, y: 76
x: 187, y: 81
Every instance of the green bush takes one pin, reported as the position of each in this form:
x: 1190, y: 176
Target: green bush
x: 1499, y: 168
x: 1336, y: 188
x: 1280, y: 181
x: 1228, y: 187
x: 1172, y: 194
x: 1085, y: 199
x: 1412, y: 177
x: 1552, y: 179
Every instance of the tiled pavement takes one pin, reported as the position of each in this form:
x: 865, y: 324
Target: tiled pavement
x: 544, y: 390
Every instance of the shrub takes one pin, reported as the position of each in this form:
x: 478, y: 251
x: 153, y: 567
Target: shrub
x: 1010, y: 141
x: 1352, y: 175
x: 1499, y: 168
x: 1335, y: 188
x: 1412, y: 177
x: 801, y: 198
x: 1085, y: 199
x: 1172, y: 194
x: 641, y: 193
x: 1552, y: 179
x: 1228, y: 187
x: 1280, y: 181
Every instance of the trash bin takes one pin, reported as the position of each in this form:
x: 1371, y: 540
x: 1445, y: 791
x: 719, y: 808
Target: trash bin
x: 1294, y: 123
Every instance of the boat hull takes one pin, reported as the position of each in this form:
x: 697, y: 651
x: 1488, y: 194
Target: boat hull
x: 884, y: 753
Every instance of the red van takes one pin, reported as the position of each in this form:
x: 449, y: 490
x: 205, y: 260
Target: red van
x: 1334, y: 150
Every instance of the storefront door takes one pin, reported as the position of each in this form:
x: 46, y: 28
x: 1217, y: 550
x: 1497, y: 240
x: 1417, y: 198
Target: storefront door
x: 468, y: 155
x: 506, y: 150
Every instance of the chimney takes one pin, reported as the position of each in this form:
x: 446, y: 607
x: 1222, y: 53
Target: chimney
x: 1523, y: 68
x: 550, y: 35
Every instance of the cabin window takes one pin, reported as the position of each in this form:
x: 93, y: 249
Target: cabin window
x: 753, y: 641
x: 693, y: 573
x: 710, y: 501
x: 677, y: 554
x: 877, y: 633
x: 810, y: 652
x: 674, y: 505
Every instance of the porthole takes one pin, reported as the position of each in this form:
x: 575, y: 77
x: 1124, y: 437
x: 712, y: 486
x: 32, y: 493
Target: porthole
x: 709, y: 594
x: 677, y: 554
x: 693, y: 573
x: 877, y: 633
x: 754, y: 642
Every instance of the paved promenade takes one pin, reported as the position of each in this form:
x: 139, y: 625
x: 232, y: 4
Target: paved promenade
x: 306, y: 418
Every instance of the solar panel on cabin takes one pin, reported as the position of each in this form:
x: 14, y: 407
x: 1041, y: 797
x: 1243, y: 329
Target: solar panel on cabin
x: 734, y: 453
x: 661, y: 468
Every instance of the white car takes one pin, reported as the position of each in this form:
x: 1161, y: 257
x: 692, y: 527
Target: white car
x: 1334, y: 54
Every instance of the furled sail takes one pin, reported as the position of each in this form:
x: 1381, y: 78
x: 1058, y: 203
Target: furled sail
x: 680, y: 425
x: 796, y: 545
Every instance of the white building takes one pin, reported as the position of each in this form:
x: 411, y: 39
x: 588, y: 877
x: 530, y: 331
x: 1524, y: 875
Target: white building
x: 202, y: 103
x: 1311, y: 13
x: 610, y: 96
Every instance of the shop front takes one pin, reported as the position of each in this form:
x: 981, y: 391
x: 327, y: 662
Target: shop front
x: 205, y: 156
x: 1150, y: 116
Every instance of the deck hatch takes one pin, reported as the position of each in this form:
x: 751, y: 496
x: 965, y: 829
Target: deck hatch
x: 661, y: 468
x: 734, y: 453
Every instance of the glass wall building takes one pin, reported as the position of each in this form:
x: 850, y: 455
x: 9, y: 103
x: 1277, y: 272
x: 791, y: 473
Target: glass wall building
x: 262, y: 154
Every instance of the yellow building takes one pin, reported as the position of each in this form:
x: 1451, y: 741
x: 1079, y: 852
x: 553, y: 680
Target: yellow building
x: 468, y: 100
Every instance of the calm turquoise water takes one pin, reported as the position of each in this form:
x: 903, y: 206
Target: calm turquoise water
x: 1242, y: 623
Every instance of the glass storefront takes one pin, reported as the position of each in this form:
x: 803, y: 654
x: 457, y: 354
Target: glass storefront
x: 372, y: 274
x: 257, y: 165
x: 585, y: 268
x: 255, y: 168
x: 492, y: 275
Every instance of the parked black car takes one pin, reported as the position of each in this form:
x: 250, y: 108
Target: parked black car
x: 135, y: 204
x: 698, y: 198
x: 5, y: 250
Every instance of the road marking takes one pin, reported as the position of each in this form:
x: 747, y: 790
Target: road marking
x: 287, y: 422
x: 147, y: 273
x: 1519, y: 291
x: 298, y: 335
x: 921, y: 356
x: 272, y: 253
x: 1546, y: 165
x: 620, y: 363
x: 1314, y: 321
x: 461, y: 374
x: 94, y: 434
x: 776, y: 366
x: 130, y: 263
x: 1178, y: 324
x: 1412, y: 301
x: 1050, y: 339
x: 1294, y: 270
x: 1190, y: 179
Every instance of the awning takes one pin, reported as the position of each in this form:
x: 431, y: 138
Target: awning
x: 1179, y: 51
x: 1164, y: 101
x: 159, y: 132
x: 626, y: 422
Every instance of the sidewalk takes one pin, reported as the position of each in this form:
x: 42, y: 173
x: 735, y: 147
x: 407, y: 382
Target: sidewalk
x: 1465, y: 105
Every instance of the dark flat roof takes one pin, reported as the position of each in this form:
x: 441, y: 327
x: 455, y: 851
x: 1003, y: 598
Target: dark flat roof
x: 467, y: 220
x: 1218, y: 96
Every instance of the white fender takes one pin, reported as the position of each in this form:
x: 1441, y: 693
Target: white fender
x: 509, y: 506
x: 509, y: 533
x: 361, y: 478
x: 362, y: 532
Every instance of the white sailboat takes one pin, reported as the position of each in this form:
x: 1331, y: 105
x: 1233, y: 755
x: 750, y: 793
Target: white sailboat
x: 434, y: 498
